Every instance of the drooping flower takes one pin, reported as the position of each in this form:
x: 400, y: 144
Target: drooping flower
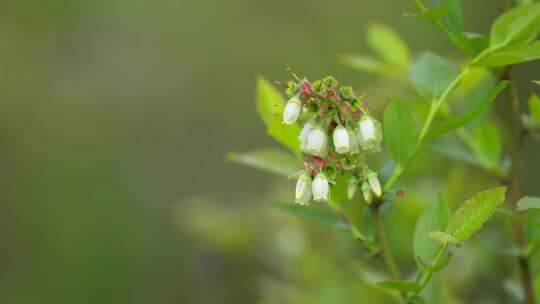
x: 374, y: 183
x: 292, y: 110
x: 366, y: 192
x: 341, y: 140
x: 317, y: 141
x: 352, y: 186
x: 354, y: 147
x: 303, y: 189
x: 303, y: 137
x: 369, y: 134
x: 320, y: 187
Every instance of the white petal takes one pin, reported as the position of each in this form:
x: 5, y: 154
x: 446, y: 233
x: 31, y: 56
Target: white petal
x: 301, y: 187
x: 341, y: 140
x: 316, y: 143
x: 303, y: 137
x: 375, y: 185
x: 320, y: 188
x: 291, y: 112
x: 367, y: 129
x: 305, y: 198
x: 369, y: 134
x: 366, y: 192
x: 353, y: 143
x: 352, y: 186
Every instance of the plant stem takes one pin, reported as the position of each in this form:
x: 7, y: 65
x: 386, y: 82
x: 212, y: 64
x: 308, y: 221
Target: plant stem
x: 511, y: 214
x: 392, y: 179
x: 436, y: 104
x: 434, y: 108
x: 515, y: 192
x: 426, y: 276
x: 438, y: 24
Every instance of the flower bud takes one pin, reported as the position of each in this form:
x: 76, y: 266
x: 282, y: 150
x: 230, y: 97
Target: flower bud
x: 353, y: 143
x: 317, y: 141
x: 346, y: 92
x: 303, y: 137
x: 369, y: 133
x: 352, y: 186
x: 320, y: 187
x: 341, y: 140
x: 303, y: 189
x: 292, y: 110
x: 366, y: 192
x: 374, y: 183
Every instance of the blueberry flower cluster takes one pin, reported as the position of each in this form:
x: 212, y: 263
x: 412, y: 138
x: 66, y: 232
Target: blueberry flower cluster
x: 337, y: 133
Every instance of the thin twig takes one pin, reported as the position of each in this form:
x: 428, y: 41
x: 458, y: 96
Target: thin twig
x: 428, y: 273
x: 515, y: 192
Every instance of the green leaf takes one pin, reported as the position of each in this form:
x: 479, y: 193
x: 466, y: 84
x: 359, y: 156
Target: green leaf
x: 447, y: 16
x: 287, y: 135
x: 536, y: 82
x: 453, y: 19
x: 435, y: 217
x: 400, y: 133
x: 528, y: 202
x: 517, y: 26
x: 431, y: 74
x: 533, y: 226
x: 474, y: 43
x: 459, y: 121
x: 475, y: 88
x: 406, y: 286
x: 354, y: 210
x: 417, y: 300
x: 534, y: 107
x: 338, y: 191
x: 487, y: 144
x: 473, y: 213
x: 452, y: 149
x: 371, y: 65
x: 322, y: 216
x: 269, y: 100
x: 511, y: 55
x: 270, y: 106
x: 270, y: 160
x: 388, y: 44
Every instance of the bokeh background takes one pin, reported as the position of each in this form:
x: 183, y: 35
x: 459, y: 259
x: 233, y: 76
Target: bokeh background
x: 115, y: 119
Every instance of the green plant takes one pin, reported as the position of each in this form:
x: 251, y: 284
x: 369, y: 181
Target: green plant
x: 330, y: 151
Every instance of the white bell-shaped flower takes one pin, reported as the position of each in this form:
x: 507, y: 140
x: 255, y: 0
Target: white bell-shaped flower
x: 341, y: 140
x: 303, y: 137
x: 317, y: 141
x: 354, y: 147
x: 369, y: 133
x: 366, y: 192
x: 303, y: 189
x: 352, y: 186
x: 374, y: 183
x: 292, y: 110
x: 320, y: 187
x: 367, y: 128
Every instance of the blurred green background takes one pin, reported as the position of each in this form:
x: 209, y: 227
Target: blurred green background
x: 115, y: 119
